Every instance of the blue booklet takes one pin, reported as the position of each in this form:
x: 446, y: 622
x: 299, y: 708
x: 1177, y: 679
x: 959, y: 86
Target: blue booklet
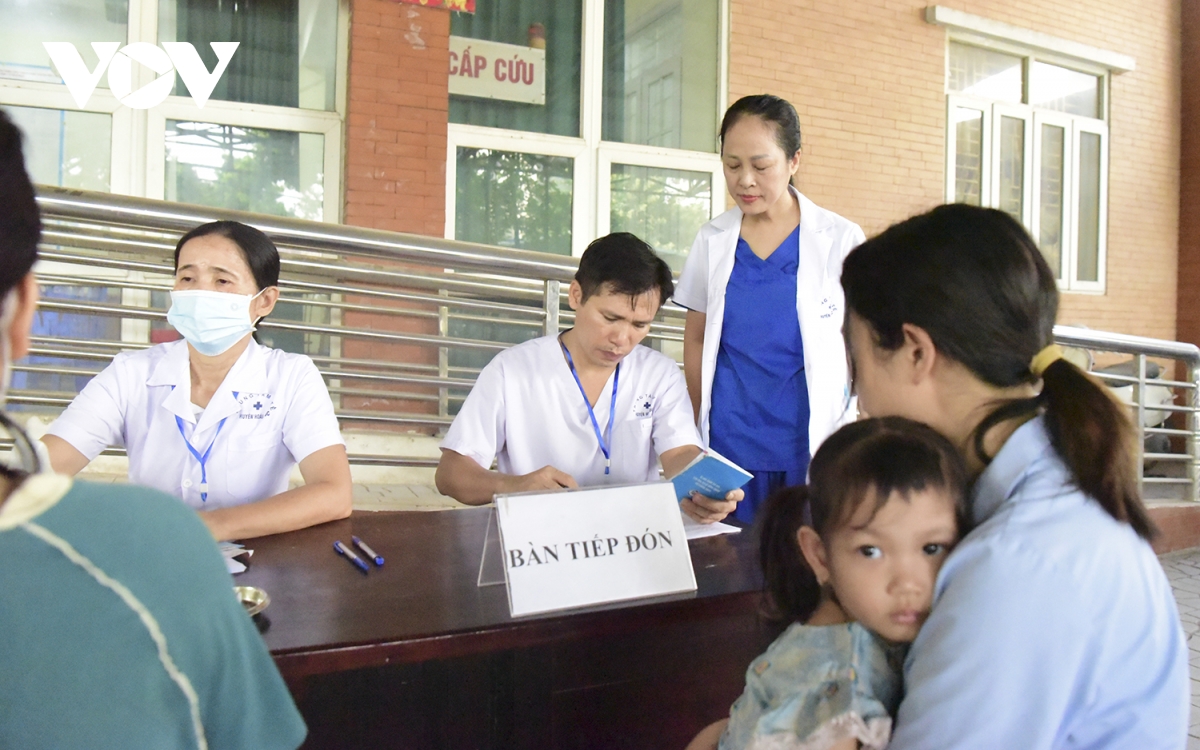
x: 710, y: 474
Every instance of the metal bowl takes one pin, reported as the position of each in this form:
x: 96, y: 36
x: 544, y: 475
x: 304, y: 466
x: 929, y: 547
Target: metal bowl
x: 254, y: 599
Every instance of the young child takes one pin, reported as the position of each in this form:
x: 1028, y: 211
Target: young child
x: 850, y: 560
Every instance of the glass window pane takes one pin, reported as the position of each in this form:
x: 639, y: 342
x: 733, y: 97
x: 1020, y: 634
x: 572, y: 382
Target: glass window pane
x: 249, y: 169
x: 664, y: 207
x: 80, y: 22
x: 968, y: 155
x: 64, y: 147
x: 514, y: 200
x: 1064, y: 90
x: 1050, y: 196
x: 554, y: 25
x: 1088, y: 266
x: 287, y: 54
x: 985, y: 73
x: 660, y: 73
x: 1012, y: 166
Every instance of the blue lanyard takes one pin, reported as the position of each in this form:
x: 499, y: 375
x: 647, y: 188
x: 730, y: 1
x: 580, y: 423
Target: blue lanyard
x: 605, y: 447
x: 202, y: 459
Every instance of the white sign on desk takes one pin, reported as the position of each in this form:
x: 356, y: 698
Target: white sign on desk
x: 591, y: 546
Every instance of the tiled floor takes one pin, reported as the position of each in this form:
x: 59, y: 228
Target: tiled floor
x: 1183, y: 570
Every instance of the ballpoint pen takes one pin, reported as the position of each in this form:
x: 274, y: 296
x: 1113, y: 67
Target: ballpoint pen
x: 372, y: 554
x: 345, y: 552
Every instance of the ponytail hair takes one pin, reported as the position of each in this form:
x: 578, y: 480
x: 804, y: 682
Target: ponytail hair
x: 872, y: 460
x: 975, y: 281
x: 792, y: 591
x: 1096, y: 438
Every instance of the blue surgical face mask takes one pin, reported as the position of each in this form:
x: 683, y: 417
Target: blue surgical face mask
x: 211, y: 322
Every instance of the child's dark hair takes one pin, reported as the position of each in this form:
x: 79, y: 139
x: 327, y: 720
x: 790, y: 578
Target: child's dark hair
x: 863, y: 461
x: 627, y: 265
x: 976, y: 282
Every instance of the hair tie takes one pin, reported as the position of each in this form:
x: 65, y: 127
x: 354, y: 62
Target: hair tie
x: 1044, y: 359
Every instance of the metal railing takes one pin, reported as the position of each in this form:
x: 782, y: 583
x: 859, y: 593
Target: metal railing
x: 399, y: 325
x: 1172, y: 420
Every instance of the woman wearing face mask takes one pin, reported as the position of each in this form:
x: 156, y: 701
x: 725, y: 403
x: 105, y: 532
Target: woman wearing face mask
x: 763, y: 352
x: 102, y: 650
x: 217, y: 419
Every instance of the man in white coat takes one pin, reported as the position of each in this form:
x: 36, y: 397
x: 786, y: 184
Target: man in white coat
x: 586, y: 407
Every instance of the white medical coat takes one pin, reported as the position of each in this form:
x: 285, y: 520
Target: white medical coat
x: 276, y: 408
x: 526, y: 412
x: 825, y: 241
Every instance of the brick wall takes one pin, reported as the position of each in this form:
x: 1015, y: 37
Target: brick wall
x: 1189, y: 190
x: 396, y: 117
x: 867, y: 79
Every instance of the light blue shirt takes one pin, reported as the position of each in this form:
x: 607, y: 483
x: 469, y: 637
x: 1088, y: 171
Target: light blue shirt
x: 1053, y: 625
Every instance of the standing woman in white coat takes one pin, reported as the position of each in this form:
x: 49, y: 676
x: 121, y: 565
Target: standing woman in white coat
x: 763, y: 352
x: 216, y: 419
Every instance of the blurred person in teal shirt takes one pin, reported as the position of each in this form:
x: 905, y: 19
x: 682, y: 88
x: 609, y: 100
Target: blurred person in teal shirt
x: 121, y: 629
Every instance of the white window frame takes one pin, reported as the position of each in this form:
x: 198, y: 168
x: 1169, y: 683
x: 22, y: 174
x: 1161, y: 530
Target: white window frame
x: 1025, y: 115
x: 1034, y: 118
x: 1100, y: 129
x: 1067, y: 242
x: 538, y: 144
x: 591, y: 197
x: 138, y: 151
x: 954, y: 102
x: 328, y: 124
x: 1036, y: 46
x: 627, y: 154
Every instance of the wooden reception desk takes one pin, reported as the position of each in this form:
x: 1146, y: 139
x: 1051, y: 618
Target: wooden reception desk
x: 416, y: 655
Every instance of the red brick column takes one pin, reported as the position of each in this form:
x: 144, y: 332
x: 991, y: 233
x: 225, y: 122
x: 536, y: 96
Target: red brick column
x: 396, y: 162
x: 1189, y: 183
x: 396, y: 117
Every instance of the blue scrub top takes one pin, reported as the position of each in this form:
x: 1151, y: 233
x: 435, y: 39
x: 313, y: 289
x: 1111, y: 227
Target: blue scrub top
x: 760, y: 410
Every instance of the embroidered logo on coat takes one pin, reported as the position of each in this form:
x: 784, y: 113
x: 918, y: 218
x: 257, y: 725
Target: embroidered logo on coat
x: 828, y: 306
x: 643, y: 406
x: 254, y: 405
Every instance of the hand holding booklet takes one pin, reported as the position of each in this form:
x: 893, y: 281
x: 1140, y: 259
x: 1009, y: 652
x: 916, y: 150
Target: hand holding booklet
x: 710, y: 474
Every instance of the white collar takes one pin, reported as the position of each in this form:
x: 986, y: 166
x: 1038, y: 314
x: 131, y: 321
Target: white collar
x: 813, y: 218
x: 36, y: 495
x: 247, y: 374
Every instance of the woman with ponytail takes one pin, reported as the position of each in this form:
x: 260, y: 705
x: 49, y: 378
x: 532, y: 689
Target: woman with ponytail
x: 1052, y: 625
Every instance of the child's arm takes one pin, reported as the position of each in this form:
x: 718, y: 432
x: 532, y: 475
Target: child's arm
x: 710, y: 736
